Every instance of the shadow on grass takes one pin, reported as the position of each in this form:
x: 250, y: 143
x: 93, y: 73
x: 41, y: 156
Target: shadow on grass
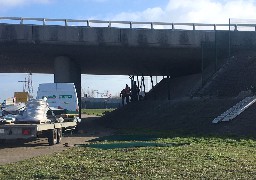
x: 152, y: 135
x: 131, y: 145
x: 147, y: 138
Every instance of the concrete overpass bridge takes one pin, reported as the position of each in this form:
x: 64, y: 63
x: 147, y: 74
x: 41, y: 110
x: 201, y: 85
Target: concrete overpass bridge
x: 101, y: 50
x: 26, y: 47
x: 67, y: 50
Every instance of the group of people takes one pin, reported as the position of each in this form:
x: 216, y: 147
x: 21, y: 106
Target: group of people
x: 130, y: 94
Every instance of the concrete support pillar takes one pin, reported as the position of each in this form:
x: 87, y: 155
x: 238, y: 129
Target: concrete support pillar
x: 67, y: 71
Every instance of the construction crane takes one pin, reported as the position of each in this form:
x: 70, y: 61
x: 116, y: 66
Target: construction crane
x: 28, y: 86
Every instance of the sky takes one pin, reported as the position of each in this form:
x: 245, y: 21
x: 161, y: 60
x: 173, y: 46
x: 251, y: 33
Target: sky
x: 176, y: 11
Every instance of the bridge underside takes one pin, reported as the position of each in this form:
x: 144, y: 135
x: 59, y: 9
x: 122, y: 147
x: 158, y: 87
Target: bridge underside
x: 101, y: 60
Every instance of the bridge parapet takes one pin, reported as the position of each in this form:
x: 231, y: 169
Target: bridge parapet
x: 125, y: 24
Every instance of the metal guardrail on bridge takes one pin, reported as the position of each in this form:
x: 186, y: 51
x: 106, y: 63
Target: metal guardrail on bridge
x: 131, y: 24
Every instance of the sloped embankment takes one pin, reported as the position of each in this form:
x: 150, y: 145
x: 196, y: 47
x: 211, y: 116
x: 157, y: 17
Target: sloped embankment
x: 194, y: 116
x: 237, y: 75
x: 189, y: 116
x: 177, y: 88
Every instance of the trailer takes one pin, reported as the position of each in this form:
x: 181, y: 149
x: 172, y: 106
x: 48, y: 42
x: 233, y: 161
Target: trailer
x: 37, y: 120
x: 51, y: 131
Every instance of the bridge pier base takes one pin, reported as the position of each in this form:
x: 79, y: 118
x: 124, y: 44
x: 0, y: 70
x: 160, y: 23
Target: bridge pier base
x: 67, y: 71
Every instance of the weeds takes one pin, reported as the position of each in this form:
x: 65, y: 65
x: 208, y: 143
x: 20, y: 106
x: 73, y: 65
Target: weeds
x: 202, y: 158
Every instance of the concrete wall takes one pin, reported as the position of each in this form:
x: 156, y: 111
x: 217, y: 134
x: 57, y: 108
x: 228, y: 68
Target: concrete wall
x: 243, y: 39
x: 103, y: 36
x: 101, y: 50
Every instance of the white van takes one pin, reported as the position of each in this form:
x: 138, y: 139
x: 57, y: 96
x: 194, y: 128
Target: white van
x: 60, y: 96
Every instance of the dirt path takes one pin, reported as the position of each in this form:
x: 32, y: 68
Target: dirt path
x: 14, y: 151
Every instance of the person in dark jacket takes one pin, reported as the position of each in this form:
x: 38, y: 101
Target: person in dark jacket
x: 127, y: 93
x: 135, y: 92
x: 122, y: 95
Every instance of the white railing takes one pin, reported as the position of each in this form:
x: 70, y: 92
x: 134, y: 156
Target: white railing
x: 131, y: 24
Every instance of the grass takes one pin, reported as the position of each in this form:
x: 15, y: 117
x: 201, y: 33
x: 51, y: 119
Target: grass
x: 97, y: 112
x: 198, y: 158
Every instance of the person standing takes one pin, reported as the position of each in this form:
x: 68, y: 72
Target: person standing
x: 135, y: 92
x: 122, y: 95
x: 127, y: 93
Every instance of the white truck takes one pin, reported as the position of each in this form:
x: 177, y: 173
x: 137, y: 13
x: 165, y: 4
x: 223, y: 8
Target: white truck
x: 60, y: 96
x: 38, y: 122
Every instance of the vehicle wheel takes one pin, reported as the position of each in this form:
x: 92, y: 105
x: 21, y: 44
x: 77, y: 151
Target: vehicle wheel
x: 52, y: 137
x: 75, y: 130
x: 59, y: 136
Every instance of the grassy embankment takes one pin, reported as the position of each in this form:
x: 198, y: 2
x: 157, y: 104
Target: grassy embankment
x: 194, y: 158
x: 97, y: 112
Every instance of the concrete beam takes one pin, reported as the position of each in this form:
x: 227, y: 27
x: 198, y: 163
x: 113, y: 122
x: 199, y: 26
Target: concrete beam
x: 112, y: 51
x: 67, y: 71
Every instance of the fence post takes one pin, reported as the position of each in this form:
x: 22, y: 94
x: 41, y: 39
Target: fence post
x: 229, y: 39
x: 151, y: 79
x: 88, y: 23
x: 216, y: 60
x: 202, y: 64
x: 169, y: 87
x: 235, y: 27
x: 21, y: 20
x: 143, y: 82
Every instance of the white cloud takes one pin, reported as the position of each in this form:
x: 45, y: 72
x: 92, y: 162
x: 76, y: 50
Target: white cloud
x: 15, y: 3
x: 153, y: 14
x: 210, y: 11
x: 197, y: 11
